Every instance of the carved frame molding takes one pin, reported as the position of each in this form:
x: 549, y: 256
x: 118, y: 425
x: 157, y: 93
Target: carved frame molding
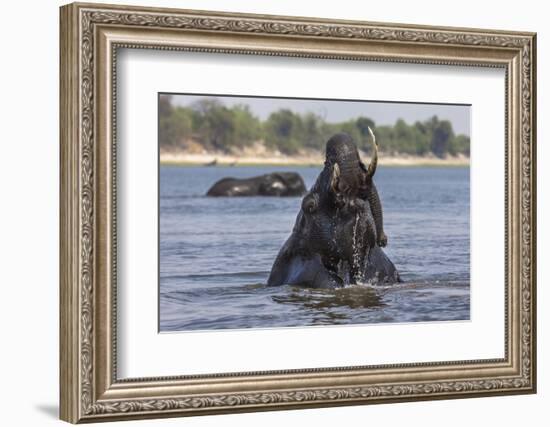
x: 90, y: 37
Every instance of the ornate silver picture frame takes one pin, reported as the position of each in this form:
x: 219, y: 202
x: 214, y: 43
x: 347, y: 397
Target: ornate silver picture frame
x: 91, y: 36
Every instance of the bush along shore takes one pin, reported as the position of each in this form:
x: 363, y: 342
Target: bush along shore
x: 208, y: 132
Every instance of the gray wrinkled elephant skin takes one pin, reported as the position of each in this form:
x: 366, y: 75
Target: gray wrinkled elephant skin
x: 338, y: 233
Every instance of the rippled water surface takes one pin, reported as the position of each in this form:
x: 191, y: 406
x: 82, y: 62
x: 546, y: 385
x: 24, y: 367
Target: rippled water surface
x: 216, y: 253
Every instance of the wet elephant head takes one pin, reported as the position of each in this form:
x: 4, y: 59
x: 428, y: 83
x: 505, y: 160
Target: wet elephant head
x: 346, y: 177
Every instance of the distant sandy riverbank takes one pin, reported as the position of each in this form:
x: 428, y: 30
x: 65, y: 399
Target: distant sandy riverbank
x: 181, y: 158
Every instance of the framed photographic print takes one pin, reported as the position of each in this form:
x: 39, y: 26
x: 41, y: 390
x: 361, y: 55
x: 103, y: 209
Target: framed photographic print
x: 267, y: 212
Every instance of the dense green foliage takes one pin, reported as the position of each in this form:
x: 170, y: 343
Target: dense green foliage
x: 218, y: 127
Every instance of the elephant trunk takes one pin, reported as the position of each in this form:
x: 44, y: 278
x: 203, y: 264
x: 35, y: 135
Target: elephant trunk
x: 341, y: 153
x: 376, y: 209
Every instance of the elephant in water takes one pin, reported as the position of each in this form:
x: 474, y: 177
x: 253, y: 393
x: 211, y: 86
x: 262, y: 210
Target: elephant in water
x: 272, y: 184
x: 338, y: 233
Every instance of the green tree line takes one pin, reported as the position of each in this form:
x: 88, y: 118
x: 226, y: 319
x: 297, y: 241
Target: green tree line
x: 218, y: 127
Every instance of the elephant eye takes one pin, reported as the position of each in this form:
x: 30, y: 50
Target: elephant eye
x: 310, y: 203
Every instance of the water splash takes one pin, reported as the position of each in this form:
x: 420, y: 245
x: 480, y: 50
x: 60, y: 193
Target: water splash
x: 357, y: 255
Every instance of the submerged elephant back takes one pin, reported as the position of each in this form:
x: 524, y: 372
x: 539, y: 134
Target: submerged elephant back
x: 272, y: 184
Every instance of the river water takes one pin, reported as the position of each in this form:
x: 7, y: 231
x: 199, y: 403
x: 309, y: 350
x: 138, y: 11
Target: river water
x: 216, y: 253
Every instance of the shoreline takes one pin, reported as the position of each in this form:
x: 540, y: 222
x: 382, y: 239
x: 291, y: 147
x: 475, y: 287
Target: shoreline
x: 184, y: 159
